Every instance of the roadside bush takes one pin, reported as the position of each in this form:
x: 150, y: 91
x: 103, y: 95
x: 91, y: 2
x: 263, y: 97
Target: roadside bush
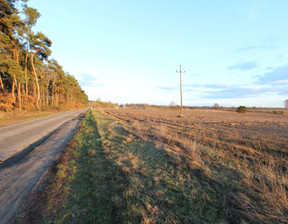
x: 241, y: 109
x: 6, y: 102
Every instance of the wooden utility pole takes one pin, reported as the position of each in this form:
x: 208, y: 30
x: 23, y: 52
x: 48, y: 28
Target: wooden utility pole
x: 181, y: 109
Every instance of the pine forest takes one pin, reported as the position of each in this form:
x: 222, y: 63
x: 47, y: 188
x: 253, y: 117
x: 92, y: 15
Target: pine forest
x: 30, y: 79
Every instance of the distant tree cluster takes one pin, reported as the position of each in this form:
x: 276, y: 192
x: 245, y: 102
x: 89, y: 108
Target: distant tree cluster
x: 101, y: 104
x: 28, y: 78
x: 137, y: 105
x: 241, y: 109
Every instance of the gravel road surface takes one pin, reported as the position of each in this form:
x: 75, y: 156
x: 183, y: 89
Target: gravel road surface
x: 19, y: 179
x: 17, y: 137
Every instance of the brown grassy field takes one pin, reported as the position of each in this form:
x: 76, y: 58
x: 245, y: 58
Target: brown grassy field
x: 150, y: 166
x: 251, y: 133
x: 242, y: 156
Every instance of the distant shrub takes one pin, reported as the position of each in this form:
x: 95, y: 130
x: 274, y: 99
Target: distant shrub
x: 241, y: 109
x: 279, y: 112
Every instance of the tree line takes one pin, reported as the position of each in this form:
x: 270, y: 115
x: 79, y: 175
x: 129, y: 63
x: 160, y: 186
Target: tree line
x: 29, y: 79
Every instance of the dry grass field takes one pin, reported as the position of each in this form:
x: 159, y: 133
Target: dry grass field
x: 244, y: 157
x: 151, y: 166
x: 251, y: 133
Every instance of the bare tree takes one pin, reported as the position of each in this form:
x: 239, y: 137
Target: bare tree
x: 286, y: 103
x: 173, y: 104
x: 216, y: 106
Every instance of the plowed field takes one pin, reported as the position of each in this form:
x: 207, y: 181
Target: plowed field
x: 251, y: 133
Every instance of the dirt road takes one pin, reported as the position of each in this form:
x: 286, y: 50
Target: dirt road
x: 18, y: 180
x: 18, y: 137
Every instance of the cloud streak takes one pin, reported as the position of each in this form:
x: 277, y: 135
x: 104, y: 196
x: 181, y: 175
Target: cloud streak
x: 244, y: 66
x: 167, y: 88
x: 277, y: 76
x: 256, y: 10
x: 88, y: 80
x: 67, y: 15
x: 267, y: 46
x: 235, y: 92
x: 270, y: 83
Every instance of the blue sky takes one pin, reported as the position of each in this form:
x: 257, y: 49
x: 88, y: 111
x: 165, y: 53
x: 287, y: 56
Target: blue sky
x: 234, y: 52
